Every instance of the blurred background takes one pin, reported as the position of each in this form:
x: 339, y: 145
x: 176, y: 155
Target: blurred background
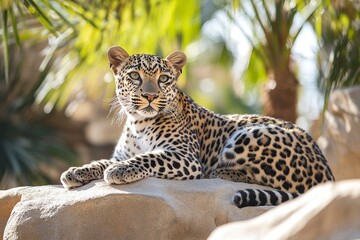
x: 282, y: 58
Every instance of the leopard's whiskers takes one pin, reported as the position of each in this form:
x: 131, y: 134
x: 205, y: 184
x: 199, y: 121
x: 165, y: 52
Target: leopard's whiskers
x: 119, y: 109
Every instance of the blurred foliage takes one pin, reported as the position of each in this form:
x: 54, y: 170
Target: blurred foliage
x: 273, y: 32
x: 339, y: 40
x: 273, y: 29
x: 28, y: 148
x: 210, y: 82
x: 27, y: 151
x: 80, y: 32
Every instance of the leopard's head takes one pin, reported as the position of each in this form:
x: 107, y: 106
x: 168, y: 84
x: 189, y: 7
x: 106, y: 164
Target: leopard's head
x: 146, y: 85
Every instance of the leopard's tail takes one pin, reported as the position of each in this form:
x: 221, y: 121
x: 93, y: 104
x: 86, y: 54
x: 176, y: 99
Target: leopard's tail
x: 257, y: 197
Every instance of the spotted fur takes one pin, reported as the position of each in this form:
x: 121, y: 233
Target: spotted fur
x: 167, y: 135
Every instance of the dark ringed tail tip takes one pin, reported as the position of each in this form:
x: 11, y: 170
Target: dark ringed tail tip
x: 258, y: 197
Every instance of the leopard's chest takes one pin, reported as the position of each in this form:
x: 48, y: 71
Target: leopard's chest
x: 138, y: 139
x: 135, y: 145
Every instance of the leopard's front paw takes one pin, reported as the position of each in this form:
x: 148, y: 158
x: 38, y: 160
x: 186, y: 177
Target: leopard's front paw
x: 72, y: 179
x: 123, y: 172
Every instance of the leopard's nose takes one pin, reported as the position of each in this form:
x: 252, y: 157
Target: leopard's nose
x: 150, y: 96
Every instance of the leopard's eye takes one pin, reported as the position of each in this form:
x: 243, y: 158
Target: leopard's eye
x: 163, y: 78
x: 134, y: 75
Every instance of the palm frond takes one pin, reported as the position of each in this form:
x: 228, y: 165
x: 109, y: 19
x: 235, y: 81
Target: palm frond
x: 339, y: 60
x: 4, y: 14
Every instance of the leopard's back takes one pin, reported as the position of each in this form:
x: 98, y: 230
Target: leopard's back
x: 266, y: 150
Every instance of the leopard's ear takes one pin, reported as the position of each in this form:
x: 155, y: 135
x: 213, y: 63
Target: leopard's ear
x: 116, y: 56
x: 177, y: 59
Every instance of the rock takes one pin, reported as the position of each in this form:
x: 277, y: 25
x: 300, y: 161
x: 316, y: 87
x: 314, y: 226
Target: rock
x: 329, y: 211
x: 149, y: 209
x: 340, y: 139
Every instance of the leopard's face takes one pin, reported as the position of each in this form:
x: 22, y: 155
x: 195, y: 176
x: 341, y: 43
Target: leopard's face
x: 146, y: 85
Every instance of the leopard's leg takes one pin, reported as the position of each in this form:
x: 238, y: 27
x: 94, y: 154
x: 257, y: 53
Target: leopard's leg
x: 283, y: 158
x: 263, y: 155
x: 252, y: 197
x: 258, y: 153
x: 78, y: 176
x: 159, y: 163
x: 238, y: 175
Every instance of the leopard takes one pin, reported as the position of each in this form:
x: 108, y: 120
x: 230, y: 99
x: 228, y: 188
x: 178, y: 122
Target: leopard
x: 167, y: 135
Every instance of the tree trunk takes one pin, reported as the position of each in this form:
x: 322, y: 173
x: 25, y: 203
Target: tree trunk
x: 280, y: 100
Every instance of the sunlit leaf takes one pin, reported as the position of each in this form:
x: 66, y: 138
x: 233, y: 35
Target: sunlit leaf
x: 14, y: 26
x: 41, y: 16
x: 4, y: 15
x: 256, y: 73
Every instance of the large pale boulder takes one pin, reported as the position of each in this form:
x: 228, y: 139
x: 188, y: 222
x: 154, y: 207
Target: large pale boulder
x: 330, y: 211
x: 148, y: 209
x: 340, y: 137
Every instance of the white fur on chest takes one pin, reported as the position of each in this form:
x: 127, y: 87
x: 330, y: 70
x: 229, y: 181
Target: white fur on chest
x: 143, y: 142
x: 136, y: 140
